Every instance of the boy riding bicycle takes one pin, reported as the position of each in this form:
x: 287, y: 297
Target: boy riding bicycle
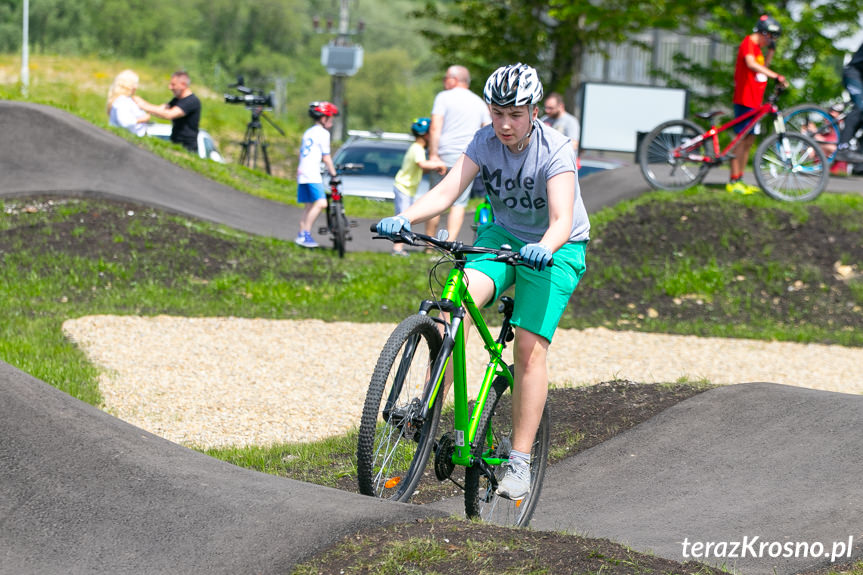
x: 529, y: 174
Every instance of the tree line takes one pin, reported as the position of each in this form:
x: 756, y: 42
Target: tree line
x: 407, y: 42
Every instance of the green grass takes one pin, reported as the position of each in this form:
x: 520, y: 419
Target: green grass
x: 322, y: 462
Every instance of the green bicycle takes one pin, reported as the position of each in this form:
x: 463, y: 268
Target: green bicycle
x: 401, y: 414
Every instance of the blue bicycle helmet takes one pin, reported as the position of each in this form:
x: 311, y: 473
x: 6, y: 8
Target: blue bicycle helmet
x: 420, y: 127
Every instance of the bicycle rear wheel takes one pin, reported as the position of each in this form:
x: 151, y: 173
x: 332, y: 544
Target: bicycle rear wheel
x: 815, y: 122
x: 791, y: 167
x: 394, y: 442
x: 339, y: 229
x: 494, y: 439
x: 665, y: 164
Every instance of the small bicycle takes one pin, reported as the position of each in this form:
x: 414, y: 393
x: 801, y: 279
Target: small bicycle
x: 402, y: 409
x: 788, y: 165
x: 338, y: 225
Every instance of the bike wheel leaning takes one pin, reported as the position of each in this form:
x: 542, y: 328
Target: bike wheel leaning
x: 815, y: 122
x: 495, y: 427
x: 666, y: 163
x: 791, y: 167
x: 394, y: 443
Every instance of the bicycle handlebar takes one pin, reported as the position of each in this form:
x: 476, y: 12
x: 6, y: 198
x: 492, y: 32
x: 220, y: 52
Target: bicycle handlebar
x: 777, y: 91
x: 459, y: 248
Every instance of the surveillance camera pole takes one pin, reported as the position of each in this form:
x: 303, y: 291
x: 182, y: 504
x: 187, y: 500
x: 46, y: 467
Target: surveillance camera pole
x: 342, y: 58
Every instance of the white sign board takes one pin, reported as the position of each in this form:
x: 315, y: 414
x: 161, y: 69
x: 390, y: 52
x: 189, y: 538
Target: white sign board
x: 613, y: 114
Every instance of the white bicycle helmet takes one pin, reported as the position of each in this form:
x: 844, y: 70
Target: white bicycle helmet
x: 513, y: 85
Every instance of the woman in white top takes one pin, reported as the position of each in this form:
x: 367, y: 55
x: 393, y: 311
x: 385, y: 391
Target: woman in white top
x: 123, y: 112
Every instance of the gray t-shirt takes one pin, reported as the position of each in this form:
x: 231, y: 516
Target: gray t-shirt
x: 516, y: 183
x: 463, y: 114
x: 566, y: 124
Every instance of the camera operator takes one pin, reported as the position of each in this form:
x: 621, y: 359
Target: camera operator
x: 184, y: 111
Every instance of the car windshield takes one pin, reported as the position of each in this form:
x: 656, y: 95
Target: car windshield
x: 375, y: 160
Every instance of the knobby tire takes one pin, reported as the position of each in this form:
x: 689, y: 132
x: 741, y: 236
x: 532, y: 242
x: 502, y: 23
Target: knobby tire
x: 479, y: 499
x: 393, y: 452
x: 339, y: 229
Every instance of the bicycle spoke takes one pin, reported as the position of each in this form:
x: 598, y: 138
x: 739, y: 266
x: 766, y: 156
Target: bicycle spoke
x: 791, y: 167
x: 393, y: 447
x: 668, y: 161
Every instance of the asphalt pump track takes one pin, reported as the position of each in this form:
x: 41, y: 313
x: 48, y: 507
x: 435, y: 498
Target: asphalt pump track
x: 83, y: 492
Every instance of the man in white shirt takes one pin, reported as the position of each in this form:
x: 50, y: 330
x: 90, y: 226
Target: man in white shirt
x: 457, y: 114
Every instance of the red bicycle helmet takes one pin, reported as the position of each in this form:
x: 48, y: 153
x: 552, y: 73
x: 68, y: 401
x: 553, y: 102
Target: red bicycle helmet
x: 320, y: 109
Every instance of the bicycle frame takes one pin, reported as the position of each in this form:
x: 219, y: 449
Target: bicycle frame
x: 456, y: 300
x: 752, y: 117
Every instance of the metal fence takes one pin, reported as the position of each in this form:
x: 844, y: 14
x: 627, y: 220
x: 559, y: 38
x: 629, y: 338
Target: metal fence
x: 632, y: 63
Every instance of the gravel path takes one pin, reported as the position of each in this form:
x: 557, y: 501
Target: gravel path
x: 231, y: 381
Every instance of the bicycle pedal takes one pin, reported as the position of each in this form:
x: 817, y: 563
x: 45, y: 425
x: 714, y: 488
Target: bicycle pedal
x: 323, y: 230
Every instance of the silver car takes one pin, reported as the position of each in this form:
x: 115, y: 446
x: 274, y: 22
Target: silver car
x: 369, y: 161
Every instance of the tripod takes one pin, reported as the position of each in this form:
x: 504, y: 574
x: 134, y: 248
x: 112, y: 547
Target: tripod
x: 255, y: 141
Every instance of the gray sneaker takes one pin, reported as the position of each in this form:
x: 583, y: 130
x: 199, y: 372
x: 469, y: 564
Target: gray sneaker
x: 515, y: 485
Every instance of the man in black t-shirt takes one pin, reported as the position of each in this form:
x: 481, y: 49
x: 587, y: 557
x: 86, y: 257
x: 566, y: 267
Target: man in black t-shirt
x: 184, y: 111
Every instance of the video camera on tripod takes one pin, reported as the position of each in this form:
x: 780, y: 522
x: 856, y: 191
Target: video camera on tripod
x: 254, y: 142
x: 251, y: 98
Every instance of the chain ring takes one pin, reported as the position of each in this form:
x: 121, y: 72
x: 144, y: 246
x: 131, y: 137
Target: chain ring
x: 443, y: 464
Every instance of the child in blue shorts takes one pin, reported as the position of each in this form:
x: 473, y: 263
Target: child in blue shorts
x: 314, y: 149
x: 529, y: 174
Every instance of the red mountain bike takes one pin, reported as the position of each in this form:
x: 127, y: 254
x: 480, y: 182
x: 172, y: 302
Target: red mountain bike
x: 788, y: 165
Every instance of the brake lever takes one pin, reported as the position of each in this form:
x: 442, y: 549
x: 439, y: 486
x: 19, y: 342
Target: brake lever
x: 514, y: 259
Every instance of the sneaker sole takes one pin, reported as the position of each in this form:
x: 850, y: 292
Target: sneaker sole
x: 507, y: 496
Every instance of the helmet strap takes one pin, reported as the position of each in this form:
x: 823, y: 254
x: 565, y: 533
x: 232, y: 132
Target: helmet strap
x: 524, y: 140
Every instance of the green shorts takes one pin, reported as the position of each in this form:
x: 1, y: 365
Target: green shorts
x: 540, y: 297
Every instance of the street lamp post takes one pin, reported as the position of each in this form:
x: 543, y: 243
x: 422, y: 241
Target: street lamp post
x: 25, y: 49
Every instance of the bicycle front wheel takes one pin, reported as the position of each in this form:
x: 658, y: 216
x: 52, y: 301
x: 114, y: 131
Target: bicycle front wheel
x: 667, y: 163
x: 494, y: 440
x: 394, y: 440
x: 791, y: 167
x: 817, y: 123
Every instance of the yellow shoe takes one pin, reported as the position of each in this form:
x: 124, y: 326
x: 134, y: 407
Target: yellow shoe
x: 739, y: 187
